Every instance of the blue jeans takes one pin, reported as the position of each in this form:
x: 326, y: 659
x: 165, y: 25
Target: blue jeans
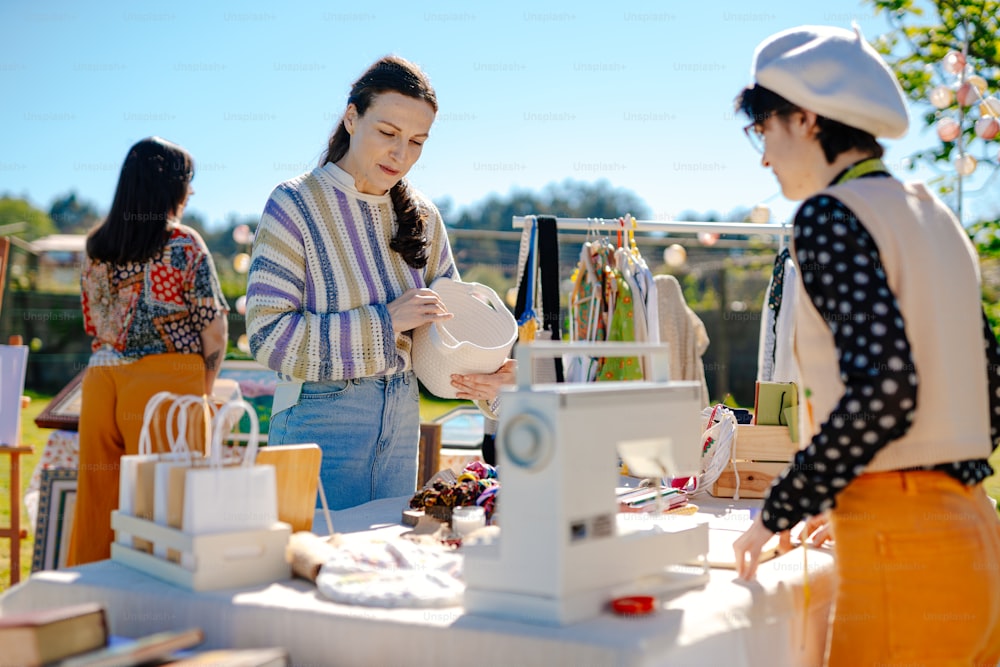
x: 368, y: 429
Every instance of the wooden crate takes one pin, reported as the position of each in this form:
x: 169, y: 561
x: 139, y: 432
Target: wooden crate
x: 209, y: 562
x: 761, y: 453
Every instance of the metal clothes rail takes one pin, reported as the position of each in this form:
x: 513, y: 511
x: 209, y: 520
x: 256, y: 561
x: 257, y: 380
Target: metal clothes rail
x: 676, y: 226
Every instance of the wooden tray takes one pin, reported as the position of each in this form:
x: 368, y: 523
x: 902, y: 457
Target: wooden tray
x: 220, y: 560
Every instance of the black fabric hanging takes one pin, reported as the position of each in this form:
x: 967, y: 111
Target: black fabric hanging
x: 547, y: 251
x: 546, y: 248
x: 548, y: 267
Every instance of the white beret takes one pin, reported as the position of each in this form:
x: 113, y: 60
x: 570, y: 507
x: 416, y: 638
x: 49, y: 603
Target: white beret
x: 835, y: 73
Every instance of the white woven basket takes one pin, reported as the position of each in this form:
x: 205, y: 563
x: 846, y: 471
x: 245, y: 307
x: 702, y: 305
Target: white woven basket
x: 476, y: 340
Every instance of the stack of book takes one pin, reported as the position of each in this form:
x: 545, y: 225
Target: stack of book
x: 77, y: 636
x: 651, y: 499
x: 39, y: 637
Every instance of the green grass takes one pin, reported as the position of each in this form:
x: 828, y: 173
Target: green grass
x: 432, y: 407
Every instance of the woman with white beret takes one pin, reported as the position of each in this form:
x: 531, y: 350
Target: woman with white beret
x: 900, y: 369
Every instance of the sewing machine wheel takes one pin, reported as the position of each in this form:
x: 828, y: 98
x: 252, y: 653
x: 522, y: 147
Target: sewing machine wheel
x: 527, y: 440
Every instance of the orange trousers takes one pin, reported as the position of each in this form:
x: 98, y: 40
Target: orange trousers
x: 113, y: 403
x: 918, y: 563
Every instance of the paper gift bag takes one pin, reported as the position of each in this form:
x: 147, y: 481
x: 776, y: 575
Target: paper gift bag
x: 776, y: 404
x: 154, y: 498
x: 13, y: 367
x: 171, y: 479
x: 160, y: 439
x: 220, y: 499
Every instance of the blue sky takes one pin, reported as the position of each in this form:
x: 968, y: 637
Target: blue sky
x: 638, y: 93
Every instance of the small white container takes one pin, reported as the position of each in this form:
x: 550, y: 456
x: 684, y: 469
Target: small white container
x: 465, y: 520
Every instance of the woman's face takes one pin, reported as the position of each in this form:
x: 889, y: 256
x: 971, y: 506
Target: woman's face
x: 793, y: 153
x: 386, y: 141
x: 179, y: 211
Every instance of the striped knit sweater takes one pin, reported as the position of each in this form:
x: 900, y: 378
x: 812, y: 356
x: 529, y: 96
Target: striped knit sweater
x: 322, y: 273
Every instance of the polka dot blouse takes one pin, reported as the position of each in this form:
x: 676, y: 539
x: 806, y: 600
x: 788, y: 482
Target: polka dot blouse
x: 867, y: 326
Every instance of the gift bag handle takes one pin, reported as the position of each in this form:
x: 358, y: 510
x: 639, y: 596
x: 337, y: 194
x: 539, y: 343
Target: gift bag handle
x: 250, y: 455
x: 177, y: 423
x: 145, y: 442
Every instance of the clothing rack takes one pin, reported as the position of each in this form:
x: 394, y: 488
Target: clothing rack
x: 781, y: 233
x: 677, y: 226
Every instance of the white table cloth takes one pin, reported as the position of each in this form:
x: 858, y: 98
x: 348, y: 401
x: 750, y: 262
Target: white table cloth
x: 723, y: 623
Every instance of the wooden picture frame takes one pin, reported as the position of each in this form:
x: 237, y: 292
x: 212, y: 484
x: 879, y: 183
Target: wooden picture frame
x: 63, y: 411
x: 56, y: 508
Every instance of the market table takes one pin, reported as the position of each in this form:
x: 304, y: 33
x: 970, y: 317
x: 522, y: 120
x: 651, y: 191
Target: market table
x: 724, y: 622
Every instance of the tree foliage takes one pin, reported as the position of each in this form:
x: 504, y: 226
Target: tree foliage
x: 72, y: 215
x: 569, y: 199
x: 14, y: 210
x: 922, y: 35
x: 493, y: 261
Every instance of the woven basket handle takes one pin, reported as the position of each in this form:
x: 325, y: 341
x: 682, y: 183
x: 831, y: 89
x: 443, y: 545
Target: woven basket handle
x: 485, y: 295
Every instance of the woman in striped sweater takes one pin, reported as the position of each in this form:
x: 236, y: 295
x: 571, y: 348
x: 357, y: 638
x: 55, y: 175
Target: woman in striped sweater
x: 341, y: 262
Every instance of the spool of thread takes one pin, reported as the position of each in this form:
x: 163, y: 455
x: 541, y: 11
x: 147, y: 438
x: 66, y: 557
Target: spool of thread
x: 307, y: 552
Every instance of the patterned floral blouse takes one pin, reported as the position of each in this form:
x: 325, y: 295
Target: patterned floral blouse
x: 154, y: 307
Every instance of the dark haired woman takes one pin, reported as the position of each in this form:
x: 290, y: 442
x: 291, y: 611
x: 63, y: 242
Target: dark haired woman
x: 341, y: 262
x: 899, y: 367
x: 152, y: 302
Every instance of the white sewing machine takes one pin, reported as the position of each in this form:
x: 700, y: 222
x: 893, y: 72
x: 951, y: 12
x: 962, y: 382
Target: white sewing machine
x: 564, y: 551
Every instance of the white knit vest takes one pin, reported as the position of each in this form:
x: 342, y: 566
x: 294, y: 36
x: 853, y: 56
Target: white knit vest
x: 933, y: 270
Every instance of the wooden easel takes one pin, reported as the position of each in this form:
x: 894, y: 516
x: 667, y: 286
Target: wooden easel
x: 4, y: 255
x: 14, y: 532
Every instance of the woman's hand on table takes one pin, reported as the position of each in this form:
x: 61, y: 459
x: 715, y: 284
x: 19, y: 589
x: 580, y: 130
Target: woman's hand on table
x: 785, y: 542
x: 816, y: 530
x: 747, y: 548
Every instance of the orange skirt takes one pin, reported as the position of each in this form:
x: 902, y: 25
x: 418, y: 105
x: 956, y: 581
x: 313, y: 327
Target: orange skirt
x: 113, y: 404
x: 918, y: 565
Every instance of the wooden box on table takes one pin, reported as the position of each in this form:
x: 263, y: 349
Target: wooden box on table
x: 760, y: 454
x: 208, y: 562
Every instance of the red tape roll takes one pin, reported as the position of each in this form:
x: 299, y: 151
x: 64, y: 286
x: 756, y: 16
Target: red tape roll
x: 635, y: 605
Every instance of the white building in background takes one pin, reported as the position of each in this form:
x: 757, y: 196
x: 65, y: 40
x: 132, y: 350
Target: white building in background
x: 60, y: 258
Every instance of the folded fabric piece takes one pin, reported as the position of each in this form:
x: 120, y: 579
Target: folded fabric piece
x: 393, y: 573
